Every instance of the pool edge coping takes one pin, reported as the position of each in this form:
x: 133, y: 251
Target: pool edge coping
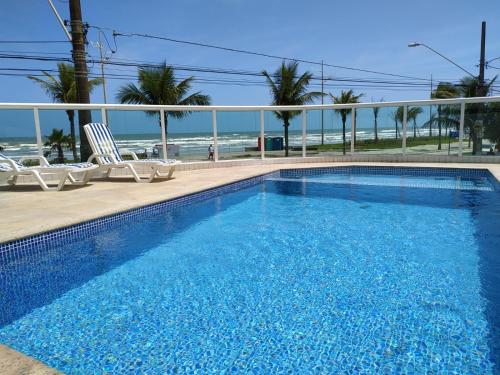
x: 15, y: 362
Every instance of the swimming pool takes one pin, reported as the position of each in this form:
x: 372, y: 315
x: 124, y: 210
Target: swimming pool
x: 320, y: 270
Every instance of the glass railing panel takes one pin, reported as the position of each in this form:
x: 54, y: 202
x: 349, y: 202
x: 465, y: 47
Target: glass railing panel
x: 60, y: 135
x: 379, y: 130
x: 275, y: 138
x: 491, y: 132
x: 190, y: 136
x: 482, y: 129
x: 238, y: 134
x: 433, y: 130
x: 324, y: 135
x: 17, y: 133
x: 136, y: 131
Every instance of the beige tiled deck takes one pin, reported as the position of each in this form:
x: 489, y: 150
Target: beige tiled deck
x: 15, y: 363
x: 26, y: 210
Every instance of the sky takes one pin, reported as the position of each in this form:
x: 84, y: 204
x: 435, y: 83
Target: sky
x: 361, y: 34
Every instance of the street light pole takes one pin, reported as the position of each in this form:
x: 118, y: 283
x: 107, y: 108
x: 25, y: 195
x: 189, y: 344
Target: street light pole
x: 415, y: 44
x: 102, y: 58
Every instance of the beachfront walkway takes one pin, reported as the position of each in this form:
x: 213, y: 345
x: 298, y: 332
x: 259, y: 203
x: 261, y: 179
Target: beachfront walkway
x: 27, y: 210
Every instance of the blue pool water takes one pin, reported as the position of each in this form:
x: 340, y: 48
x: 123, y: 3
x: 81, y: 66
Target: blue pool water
x: 325, y: 273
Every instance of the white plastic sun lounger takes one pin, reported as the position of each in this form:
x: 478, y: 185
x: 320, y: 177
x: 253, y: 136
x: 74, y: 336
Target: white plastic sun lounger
x: 11, y: 170
x: 107, y: 155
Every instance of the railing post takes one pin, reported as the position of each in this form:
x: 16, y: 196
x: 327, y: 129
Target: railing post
x: 104, y: 117
x: 353, y: 128
x: 163, y: 134
x: 214, y: 128
x: 304, y: 133
x: 461, y: 129
x: 405, y: 127
x: 38, y: 132
x: 262, y: 136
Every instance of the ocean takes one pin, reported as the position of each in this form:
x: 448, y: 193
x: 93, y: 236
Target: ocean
x: 195, y: 145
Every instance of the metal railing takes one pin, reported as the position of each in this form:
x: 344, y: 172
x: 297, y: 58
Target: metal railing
x: 35, y: 107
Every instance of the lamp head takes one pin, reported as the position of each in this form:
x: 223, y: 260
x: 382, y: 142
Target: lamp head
x: 414, y: 44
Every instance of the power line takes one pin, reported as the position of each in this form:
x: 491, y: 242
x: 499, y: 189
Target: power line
x: 235, y: 50
x: 347, y: 81
x: 144, y: 64
x: 32, y: 41
x: 178, y: 67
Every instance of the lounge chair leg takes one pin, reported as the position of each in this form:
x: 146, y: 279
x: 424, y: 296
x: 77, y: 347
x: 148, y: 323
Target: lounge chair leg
x: 137, y: 178
x: 12, y: 180
x: 64, y: 176
x: 154, y: 173
x: 169, y: 174
x: 41, y: 182
x: 83, y: 181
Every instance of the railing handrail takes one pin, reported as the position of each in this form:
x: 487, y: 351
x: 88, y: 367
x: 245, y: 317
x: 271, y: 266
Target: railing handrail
x: 143, y: 107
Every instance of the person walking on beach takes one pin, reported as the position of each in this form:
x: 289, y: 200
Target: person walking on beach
x: 210, y: 152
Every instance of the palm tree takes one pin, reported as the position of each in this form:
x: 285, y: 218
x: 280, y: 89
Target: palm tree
x: 375, y: 119
x: 57, y: 140
x: 444, y: 90
x: 62, y: 89
x: 412, y: 115
x: 288, y: 88
x: 158, y: 86
x: 345, y: 97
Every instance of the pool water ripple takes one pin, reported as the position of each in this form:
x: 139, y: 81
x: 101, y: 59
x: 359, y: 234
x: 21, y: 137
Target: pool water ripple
x: 282, y: 277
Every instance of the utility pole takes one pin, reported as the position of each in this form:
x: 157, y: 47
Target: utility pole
x: 322, y: 101
x: 81, y: 75
x: 478, y: 142
x: 482, y: 60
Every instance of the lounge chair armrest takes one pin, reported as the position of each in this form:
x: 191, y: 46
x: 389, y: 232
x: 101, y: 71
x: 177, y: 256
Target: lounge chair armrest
x: 43, y: 161
x: 10, y: 163
x: 125, y: 151
x: 95, y: 156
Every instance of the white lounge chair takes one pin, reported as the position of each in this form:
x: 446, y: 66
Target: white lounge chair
x: 11, y: 170
x: 107, y: 155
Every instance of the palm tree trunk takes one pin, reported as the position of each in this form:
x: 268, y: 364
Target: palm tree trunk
x: 414, y: 129
x: 286, y: 124
x: 376, y: 130
x: 60, y: 154
x: 439, y: 127
x: 71, y: 117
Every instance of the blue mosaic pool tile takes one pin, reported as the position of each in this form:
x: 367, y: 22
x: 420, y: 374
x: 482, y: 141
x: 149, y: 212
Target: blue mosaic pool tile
x: 393, y: 171
x: 41, y: 242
